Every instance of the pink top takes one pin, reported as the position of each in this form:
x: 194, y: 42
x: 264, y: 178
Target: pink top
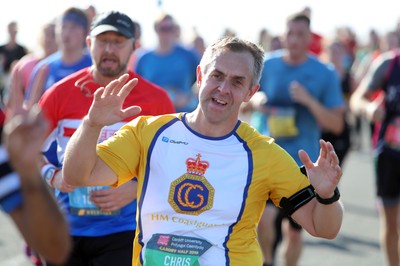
x: 25, y: 67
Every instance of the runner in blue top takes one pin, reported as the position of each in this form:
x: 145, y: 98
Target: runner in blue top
x: 279, y: 81
x: 170, y: 65
x: 72, y: 56
x: 303, y: 97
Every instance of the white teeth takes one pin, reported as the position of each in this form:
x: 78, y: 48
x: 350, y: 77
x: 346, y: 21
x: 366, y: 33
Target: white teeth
x: 220, y: 102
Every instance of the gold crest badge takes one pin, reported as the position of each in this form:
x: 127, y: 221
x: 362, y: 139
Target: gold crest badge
x: 191, y: 193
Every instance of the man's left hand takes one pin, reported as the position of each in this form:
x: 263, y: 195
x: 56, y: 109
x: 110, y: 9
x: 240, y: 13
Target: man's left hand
x: 325, y: 173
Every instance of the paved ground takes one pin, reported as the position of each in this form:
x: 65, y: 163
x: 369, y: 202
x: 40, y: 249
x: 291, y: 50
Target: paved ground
x: 357, y: 243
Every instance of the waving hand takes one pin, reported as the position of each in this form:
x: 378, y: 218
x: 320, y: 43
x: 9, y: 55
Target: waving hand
x: 108, y: 101
x: 325, y: 173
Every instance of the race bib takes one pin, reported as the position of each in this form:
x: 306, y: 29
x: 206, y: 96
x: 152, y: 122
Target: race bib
x: 392, y: 134
x: 281, y: 122
x: 166, y: 249
x: 80, y: 204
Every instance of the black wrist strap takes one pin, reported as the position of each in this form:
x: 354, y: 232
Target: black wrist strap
x: 331, y: 200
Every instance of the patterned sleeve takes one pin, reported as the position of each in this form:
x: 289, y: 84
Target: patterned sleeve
x: 10, y: 195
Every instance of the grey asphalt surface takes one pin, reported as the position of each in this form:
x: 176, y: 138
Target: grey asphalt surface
x: 356, y: 244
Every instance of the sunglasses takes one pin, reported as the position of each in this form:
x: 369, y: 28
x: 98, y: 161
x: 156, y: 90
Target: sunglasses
x: 166, y: 28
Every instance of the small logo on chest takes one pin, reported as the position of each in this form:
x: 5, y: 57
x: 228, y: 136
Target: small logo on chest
x: 191, y: 193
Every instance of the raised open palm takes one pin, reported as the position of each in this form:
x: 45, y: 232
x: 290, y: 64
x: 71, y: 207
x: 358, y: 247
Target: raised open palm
x: 325, y: 173
x: 106, y: 108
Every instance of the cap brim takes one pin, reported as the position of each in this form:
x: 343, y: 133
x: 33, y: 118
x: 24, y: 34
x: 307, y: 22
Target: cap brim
x: 104, y: 28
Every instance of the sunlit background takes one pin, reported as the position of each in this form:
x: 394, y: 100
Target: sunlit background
x: 211, y: 17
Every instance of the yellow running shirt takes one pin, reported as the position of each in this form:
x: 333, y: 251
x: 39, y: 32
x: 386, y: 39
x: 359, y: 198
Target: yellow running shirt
x: 199, y: 198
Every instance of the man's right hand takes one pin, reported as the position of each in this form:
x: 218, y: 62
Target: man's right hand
x: 108, y: 102
x: 82, y: 166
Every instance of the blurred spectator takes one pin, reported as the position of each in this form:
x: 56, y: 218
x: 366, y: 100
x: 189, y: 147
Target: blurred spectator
x: 72, y: 56
x: 139, y: 49
x: 359, y: 69
x: 170, y: 65
x: 24, y: 67
x: 90, y: 13
x: 349, y: 40
x: 9, y: 54
x: 264, y: 39
x: 198, y: 43
x: 228, y: 32
x: 365, y: 55
x: 303, y: 97
x: 315, y: 46
x: 252, y: 112
x: 342, y: 141
x: 391, y: 41
x: 275, y: 43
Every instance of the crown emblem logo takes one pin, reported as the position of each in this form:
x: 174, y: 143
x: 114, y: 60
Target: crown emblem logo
x: 195, y: 166
x: 191, y: 193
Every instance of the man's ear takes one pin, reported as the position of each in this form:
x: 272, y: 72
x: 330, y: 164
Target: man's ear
x: 251, y: 92
x: 199, y: 76
x: 88, y: 41
x: 134, y: 45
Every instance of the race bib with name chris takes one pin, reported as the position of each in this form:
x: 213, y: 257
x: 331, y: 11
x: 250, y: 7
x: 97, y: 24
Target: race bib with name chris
x: 167, y: 249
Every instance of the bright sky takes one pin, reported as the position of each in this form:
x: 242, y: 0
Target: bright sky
x: 211, y: 17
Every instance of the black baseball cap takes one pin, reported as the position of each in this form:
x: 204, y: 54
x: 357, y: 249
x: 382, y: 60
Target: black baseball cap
x: 113, y: 21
